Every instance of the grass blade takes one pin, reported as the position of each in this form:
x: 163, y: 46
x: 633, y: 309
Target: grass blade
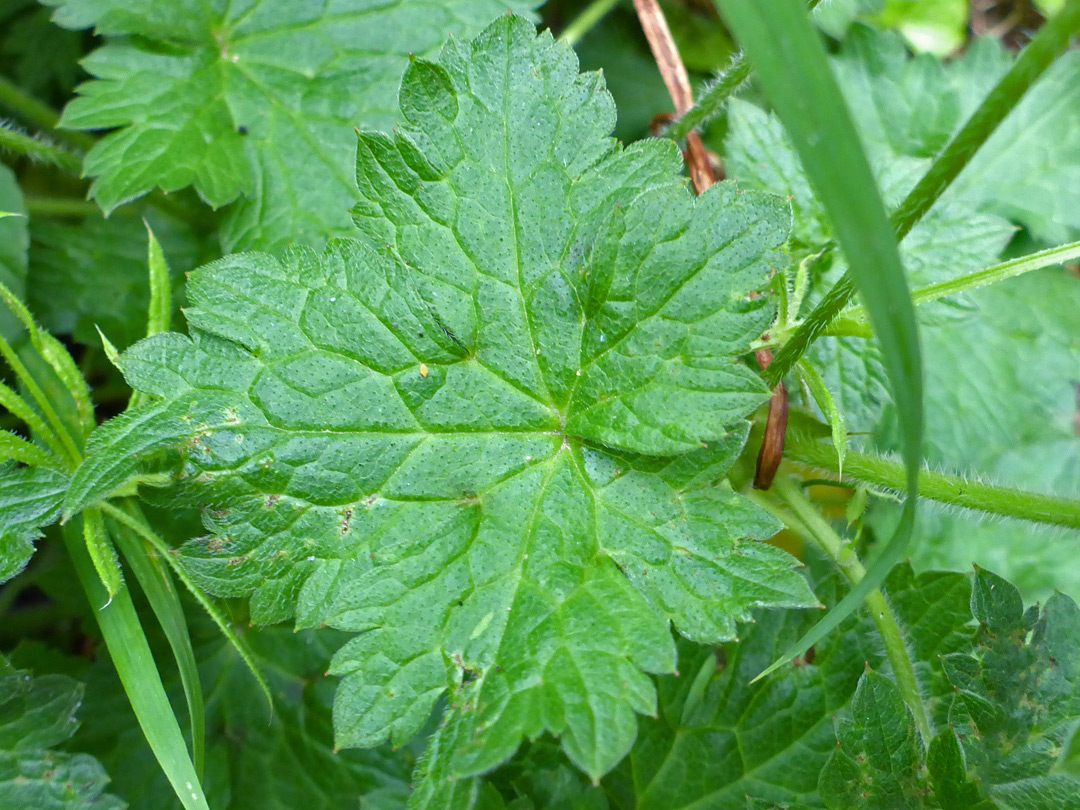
x: 134, y: 664
x: 157, y: 584
x: 159, y: 317
x: 18, y: 407
x: 56, y: 429
x: 792, y: 67
x: 132, y: 518
x: 586, y: 21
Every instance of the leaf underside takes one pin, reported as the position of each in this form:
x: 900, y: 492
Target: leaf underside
x: 484, y: 435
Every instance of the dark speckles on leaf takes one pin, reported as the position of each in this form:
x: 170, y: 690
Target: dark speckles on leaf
x: 447, y: 485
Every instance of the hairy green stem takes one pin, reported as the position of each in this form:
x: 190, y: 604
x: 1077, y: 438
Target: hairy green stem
x: 712, y: 100
x: 936, y: 486
x: 40, y: 150
x: 817, y: 529
x: 854, y: 322
x: 972, y: 281
x: 586, y: 20
x: 38, y: 114
x: 718, y: 92
x: 1051, y: 41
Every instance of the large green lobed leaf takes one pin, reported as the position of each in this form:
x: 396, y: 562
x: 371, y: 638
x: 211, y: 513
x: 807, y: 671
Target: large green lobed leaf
x: 484, y: 435
x: 253, y: 100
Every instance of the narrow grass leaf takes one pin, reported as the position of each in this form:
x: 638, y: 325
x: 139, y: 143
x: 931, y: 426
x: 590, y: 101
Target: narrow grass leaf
x: 52, y: 351
x: 102, y: 553
x: 19, y: 408
x: 791, y: 65
x: 157, y: 584
x: 160, y: 314
x: 111, y: 352
x: 135, y: 665
x: 55, y: 431
x: 131, y: 517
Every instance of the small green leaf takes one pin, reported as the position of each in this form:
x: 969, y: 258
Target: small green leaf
x: 159, y: 317
x: 16, y: 448
x: 771, y: 739
x: 953, y: 787
x: 102, y: 552
x: 1017, y: 694
x: 877, y: 762
x: 37, y: 714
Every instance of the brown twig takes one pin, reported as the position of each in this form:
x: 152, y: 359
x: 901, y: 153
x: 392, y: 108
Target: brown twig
x: 677, y: 82
x: 772, y: 442
x: 701, y: 173
x: 666, y: 54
